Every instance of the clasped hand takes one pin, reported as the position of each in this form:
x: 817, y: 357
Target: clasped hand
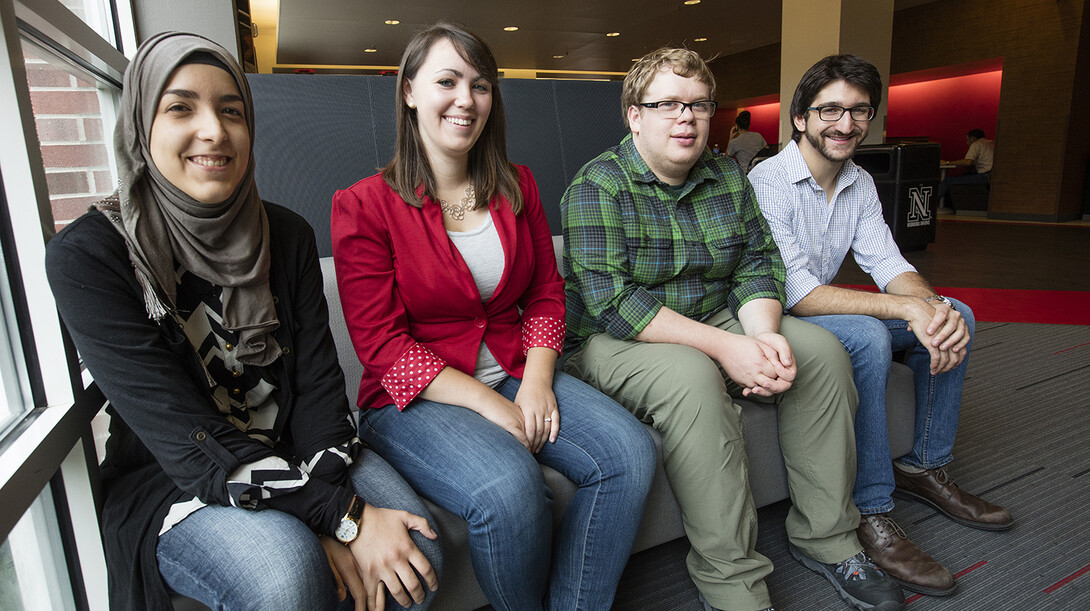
x: 942, y: 331
x: 762, y: 365
x: 532, y: 418
x: 382, y: 558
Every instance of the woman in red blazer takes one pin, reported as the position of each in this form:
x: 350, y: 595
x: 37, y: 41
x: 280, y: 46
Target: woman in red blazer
x: 450, y: 290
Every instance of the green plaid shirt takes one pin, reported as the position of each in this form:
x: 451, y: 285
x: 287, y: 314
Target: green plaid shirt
x: 633, y: 244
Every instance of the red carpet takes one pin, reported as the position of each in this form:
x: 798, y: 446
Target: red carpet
x: 1012, y: 305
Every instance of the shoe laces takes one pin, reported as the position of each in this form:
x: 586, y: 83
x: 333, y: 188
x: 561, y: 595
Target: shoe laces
x: 943, y: 477
x: 884, y: 522
x: 856, y: 568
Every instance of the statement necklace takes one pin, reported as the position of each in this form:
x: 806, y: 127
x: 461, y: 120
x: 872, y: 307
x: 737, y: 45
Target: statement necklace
x: 458, y: 211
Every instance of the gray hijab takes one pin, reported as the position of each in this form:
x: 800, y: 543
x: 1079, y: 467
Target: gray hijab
x: 226, y: 244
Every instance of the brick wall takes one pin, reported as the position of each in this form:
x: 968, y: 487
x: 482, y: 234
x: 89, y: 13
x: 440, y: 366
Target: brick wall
x: 74, y: 144
x: 73, y: 136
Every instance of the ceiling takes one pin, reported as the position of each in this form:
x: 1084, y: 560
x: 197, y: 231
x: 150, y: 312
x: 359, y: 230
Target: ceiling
x: 337, y: 32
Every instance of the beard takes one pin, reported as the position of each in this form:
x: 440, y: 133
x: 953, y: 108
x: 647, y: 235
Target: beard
x: 821, y: 145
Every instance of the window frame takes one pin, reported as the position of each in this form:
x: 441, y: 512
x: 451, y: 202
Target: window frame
x: 51, y: 445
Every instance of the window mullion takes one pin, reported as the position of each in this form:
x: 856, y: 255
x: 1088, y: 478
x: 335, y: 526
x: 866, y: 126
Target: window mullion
x: 29, y: 208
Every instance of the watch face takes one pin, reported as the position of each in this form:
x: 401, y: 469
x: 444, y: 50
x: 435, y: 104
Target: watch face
x: 347, y: 531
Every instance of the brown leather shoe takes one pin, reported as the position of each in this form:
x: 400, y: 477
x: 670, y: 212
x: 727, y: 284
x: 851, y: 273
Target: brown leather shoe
x: 935, y: 488
x: 908, y: 565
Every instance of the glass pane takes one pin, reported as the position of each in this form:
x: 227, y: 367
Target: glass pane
x: 74, y: 115
x: 33, y: 574
x: 14, y: 385
x: 95, y: 13
x: 9, y: 583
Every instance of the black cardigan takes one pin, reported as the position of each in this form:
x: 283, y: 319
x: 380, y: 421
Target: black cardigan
x: 166, y: 435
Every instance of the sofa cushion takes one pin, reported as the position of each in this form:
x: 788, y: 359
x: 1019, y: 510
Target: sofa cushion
x: 662, y: 517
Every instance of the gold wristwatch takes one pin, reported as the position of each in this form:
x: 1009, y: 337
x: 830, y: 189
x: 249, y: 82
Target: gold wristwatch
x: 349, y: 528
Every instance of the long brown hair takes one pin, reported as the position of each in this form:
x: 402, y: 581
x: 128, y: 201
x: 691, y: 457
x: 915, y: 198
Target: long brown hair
x: 489, y: 171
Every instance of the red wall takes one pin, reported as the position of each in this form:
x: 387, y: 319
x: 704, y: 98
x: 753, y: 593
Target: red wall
x: 944, y: 109
x: 941, y: 109
x: 764, y: 119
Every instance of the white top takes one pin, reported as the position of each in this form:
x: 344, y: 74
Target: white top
x: 981, y: 152
x: 744, y: 146
x: 482, y: 251
x: 815, y: 234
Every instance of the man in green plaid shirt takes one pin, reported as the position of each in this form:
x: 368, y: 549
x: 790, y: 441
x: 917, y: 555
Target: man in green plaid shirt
x: 675, y: 293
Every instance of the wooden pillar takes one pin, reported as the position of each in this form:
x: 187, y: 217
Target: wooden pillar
x: 812, y: 29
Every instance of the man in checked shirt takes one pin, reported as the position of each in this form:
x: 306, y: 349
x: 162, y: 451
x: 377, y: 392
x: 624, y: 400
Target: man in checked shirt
x: 820, y: 205
x: 675, y: 294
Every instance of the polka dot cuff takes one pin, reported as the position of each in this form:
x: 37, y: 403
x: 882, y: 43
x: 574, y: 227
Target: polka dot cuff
x: 543, y: 331
x: 410, y: 374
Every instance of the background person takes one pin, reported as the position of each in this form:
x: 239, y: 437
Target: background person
x: 978, y: 158
x: 448, y: 280
x: 232, y: 468
x: 744, y: 144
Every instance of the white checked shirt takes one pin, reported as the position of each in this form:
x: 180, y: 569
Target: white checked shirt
x: 814, y: 235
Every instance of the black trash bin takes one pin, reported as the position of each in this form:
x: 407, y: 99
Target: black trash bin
x: 907, y: 177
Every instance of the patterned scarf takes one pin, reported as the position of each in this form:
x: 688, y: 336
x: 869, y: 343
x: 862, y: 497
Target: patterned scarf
x: 227, y: 243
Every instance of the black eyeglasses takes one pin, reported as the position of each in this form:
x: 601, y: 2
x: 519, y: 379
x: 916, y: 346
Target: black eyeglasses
x: 672, y: 109
x: 833, y: 113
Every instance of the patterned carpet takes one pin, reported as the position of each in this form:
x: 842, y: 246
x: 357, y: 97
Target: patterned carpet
x: 1024, y: 442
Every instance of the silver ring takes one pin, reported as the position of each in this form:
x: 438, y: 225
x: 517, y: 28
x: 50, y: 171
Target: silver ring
x: 548, y: 420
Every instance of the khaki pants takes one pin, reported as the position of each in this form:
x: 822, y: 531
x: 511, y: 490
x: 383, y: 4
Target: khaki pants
x: 686, y: 396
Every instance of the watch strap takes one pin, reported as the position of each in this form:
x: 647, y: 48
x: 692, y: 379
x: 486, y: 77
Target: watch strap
x: 940, y: 299
x: 354, y: 515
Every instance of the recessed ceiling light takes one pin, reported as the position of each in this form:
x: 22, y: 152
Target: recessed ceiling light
x: 612, y: 34
x: 558, y: 57
x: 692, y: 2
x: 701, y: 39
x: 391, y: 22
x: 511, y: 28
x: 370, y: 50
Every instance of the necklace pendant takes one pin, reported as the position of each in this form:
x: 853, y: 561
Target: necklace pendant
x: 458, y: 212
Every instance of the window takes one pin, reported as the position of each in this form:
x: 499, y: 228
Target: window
x: 74, y: 114
x: 58, y: 88
x: 9, y: 581
x: 94, y: 13
x: 32, y: 574
x: 13, y: 387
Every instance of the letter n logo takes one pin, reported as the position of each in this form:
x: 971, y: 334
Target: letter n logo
x: 919, y: 206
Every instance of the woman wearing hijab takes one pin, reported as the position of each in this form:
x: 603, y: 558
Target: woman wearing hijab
x: 233, y: 474
x: 448, y: 280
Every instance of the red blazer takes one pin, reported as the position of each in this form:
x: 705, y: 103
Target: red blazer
x: 409, y: 299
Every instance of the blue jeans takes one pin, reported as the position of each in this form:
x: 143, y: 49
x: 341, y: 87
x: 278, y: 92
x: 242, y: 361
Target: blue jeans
x: 475, y: 469
x: 964, y: 179
x: 870, y: 344
x: 231, y: 558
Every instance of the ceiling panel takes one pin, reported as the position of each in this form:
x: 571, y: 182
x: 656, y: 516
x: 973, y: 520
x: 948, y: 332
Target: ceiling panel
x: 336, y: 32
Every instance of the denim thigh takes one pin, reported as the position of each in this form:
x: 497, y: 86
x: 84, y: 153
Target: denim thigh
x: 232, y: 558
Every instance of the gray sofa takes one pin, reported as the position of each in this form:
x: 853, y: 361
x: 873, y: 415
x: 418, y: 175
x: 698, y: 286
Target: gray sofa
x: 318, y: 134
x: 459, y: 590
x: 661, y: 517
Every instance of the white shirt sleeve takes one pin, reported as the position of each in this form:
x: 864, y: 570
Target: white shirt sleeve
x: 874, y: 249
x: 778, y: 206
